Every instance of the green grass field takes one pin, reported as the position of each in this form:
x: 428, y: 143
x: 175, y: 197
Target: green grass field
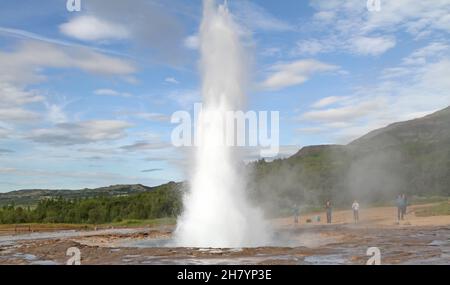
x: 139, y: 223
x: 8, y: 228
x: 441, y: 209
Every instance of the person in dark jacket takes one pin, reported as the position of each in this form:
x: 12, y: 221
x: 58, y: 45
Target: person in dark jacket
x: 404, y: 204
x: 328, y: 209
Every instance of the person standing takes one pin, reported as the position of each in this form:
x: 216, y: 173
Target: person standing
x: 328, y: 209
x: 405, y: 205
x: 399, y: 204
x: 296, y: 213
x: 355, y: 208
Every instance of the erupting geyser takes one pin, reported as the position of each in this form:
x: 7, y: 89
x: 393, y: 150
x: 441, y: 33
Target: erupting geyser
x: 216, y: 211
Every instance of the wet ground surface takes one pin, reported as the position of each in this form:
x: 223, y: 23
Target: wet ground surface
x: 334, y: 244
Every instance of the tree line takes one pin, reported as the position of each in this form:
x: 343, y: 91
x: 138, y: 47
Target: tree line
x: 160, y: 203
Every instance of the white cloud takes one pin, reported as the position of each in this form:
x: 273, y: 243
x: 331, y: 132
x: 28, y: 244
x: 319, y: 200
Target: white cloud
x: 431, y: 51
x: 185, y: 98
x: 90, y: 28
x: 337, y: 125
x: 139, y: 24
x: 100, y: 64
x: 344, y: 113
x: 17, y: 115
x: 348, y: 25
x: 423, y: 89
x: 8, y: 170
x: 4, y: 133
x: 324, y: 102
x: 310, y: 47
x: 23, y: 65
x: 148, y: 116
x: 80, y: 132
x: 353, y: 43
x: 25, y: 35
x: 372, y: 45
x: 26, y: 65
x: 13, y: 96
x: 55, y: 113
x: 144, y: 145
x: 171, y: 80
x: 395, y: 72
x: 255, y: 18
x: 415, y: 17
x: 153, y: 27
x: 324, y: 16
x: 5, y: 151
x: 418, y: 59
x: 156, y: 117
x: 12, y: 100
x: 294, y: 73
x: 311, y: 130
x: 192, y: 42
x: 434, y: 77
x: 111, y: 92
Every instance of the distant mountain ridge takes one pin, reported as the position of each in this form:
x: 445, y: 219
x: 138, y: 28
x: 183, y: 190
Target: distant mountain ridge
x: 434, y: 128
x: 32, y: 196
x: 410, y: 157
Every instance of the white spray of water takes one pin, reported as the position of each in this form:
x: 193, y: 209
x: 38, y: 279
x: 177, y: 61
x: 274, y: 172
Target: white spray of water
x: 216, y: 211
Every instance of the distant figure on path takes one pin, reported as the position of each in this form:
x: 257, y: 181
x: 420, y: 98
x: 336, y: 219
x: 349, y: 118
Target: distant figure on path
x: 405, y: 205
x: 296, y: 213
x: 399, y: 202
x: 355, y: 208
x: 328, y: 208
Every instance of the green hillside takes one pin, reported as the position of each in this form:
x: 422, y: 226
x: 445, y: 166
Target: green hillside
x: 161, y: 202
x: 411, y: 157
x: 31, y: 197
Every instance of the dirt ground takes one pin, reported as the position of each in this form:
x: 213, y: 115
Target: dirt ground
x: 380, y: 216
x: 415, y: 240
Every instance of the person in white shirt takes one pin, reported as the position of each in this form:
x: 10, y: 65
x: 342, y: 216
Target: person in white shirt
x: 355, y: 208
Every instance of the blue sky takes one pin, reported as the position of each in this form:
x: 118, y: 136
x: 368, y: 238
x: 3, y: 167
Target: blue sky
x: 86, y: 97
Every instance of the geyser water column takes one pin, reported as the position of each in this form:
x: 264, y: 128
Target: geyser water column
x: 216, y: 212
